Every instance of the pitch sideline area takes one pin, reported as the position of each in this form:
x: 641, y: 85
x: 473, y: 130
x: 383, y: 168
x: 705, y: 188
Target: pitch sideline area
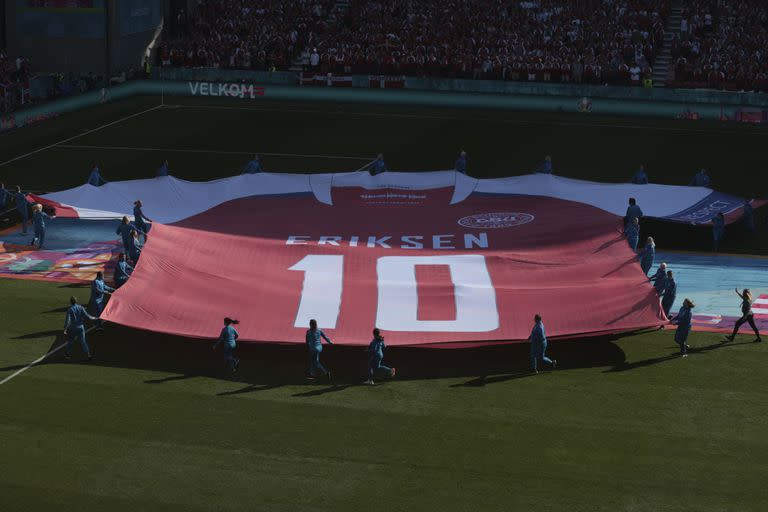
x: 625, y: 425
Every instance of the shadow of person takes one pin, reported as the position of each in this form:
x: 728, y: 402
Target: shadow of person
x: 484, y: 380
x: 250, y: 389
x: 335, y: 388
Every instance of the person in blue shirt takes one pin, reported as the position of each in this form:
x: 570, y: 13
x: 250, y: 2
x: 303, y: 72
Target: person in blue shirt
x: 254, y: 166
x: 461, y: 163
x: 314, y: 342
x: 163, y: 169
x: 670, y: 293
x: 748, y: 217
x: 376, y: 356
x: 4, y: 195
x: 99, y: 291
x: 538, y: 341
x: 700, y: 179
x: 718, y: 229
x: 633, y: 211
x: 659, y: 279
x: 22, y: 206
x: 228, y: 341
x: 122, y: 271
x: 632, y: 231
x: 546, y: 166
x: 95, y: 178
x: 683, y: 322
x: 124, y: 230
x: 38, y: 224
x: 747, y: 316
x: 140, y: 220
x: 377, y: 166
x: 74, y: 328
x: 640, y: 177
x: 648, y: 255
x: 134, y: 246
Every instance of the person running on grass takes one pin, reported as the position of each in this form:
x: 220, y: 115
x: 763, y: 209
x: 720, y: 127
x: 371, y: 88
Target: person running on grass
x: 228, y: 340
x: 538, y: 339
x: 376, y: 356
x: 74, y: 328
x: 314, y: 339
x: 746, y: 316
x: 683, y: 322
x: 38, y: 225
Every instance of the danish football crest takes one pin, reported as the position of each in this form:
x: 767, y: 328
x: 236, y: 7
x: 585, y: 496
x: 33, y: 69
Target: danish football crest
x: 496, y: 220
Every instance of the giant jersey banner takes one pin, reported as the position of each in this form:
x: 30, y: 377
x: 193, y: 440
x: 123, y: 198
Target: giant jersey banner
x: 426, y: 257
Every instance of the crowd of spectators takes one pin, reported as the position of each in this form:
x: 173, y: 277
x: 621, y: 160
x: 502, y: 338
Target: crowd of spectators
x: 592, y: 41
x: 722, y: 45
x: 245, y: 34
x: 15, y: 74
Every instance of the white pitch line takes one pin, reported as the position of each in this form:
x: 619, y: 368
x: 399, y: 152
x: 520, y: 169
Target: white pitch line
x: 37, y: 361
x: 25, y: 155
x: 595, y: 124
x: 212, y: 151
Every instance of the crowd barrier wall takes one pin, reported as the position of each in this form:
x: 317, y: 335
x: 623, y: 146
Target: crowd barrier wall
x: 276, y: 86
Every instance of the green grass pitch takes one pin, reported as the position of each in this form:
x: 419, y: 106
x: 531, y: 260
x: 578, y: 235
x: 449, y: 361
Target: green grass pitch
x: 152, y: 425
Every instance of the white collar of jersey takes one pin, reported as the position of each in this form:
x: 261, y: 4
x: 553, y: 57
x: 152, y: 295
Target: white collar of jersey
x: 323, y: 184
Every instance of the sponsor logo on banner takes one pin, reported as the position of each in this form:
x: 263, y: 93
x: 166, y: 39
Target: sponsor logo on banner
x: 496, y: 220
x: 225, y: 90
x: 704, y: 210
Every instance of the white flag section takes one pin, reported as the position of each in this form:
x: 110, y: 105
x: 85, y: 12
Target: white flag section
x: 169, y: 199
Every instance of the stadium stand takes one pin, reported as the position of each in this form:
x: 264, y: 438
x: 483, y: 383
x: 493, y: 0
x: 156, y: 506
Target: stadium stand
x: 15, y: 74
x: 550, y: 40
x: 722, y: 45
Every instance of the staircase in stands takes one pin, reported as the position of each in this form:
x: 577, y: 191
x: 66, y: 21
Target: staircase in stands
x: 664, y: 65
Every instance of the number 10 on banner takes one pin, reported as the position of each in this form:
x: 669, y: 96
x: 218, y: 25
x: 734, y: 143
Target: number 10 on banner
x: 398, y: 298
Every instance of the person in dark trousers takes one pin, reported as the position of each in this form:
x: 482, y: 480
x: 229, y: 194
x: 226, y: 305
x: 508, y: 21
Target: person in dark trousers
x: 632, y: 231
x: 747, y: 217
x: 746, y: 316
x: 640, y: 177
x: 99, y: 291
x: 140, y: 220
x: 22, y: 206
x: 228, y: 340
x: 718, y: 229
x: 538, y: 341
x: 4, y: 196
x: 122, y: 271
x: 659, y: 278
x: 314, y: 339
x: 38, y: 225
x: 683, y: 322
x: 376, y: 356
x: 461, y: 163
x: 633, y: 211
x: 648, y: 255
x: 74, y: 328
x: 670, y: 293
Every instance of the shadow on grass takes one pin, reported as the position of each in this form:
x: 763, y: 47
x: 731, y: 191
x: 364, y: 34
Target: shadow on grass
x: 269, y: 366
x: 39, y: 334
x: 626, y: 366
